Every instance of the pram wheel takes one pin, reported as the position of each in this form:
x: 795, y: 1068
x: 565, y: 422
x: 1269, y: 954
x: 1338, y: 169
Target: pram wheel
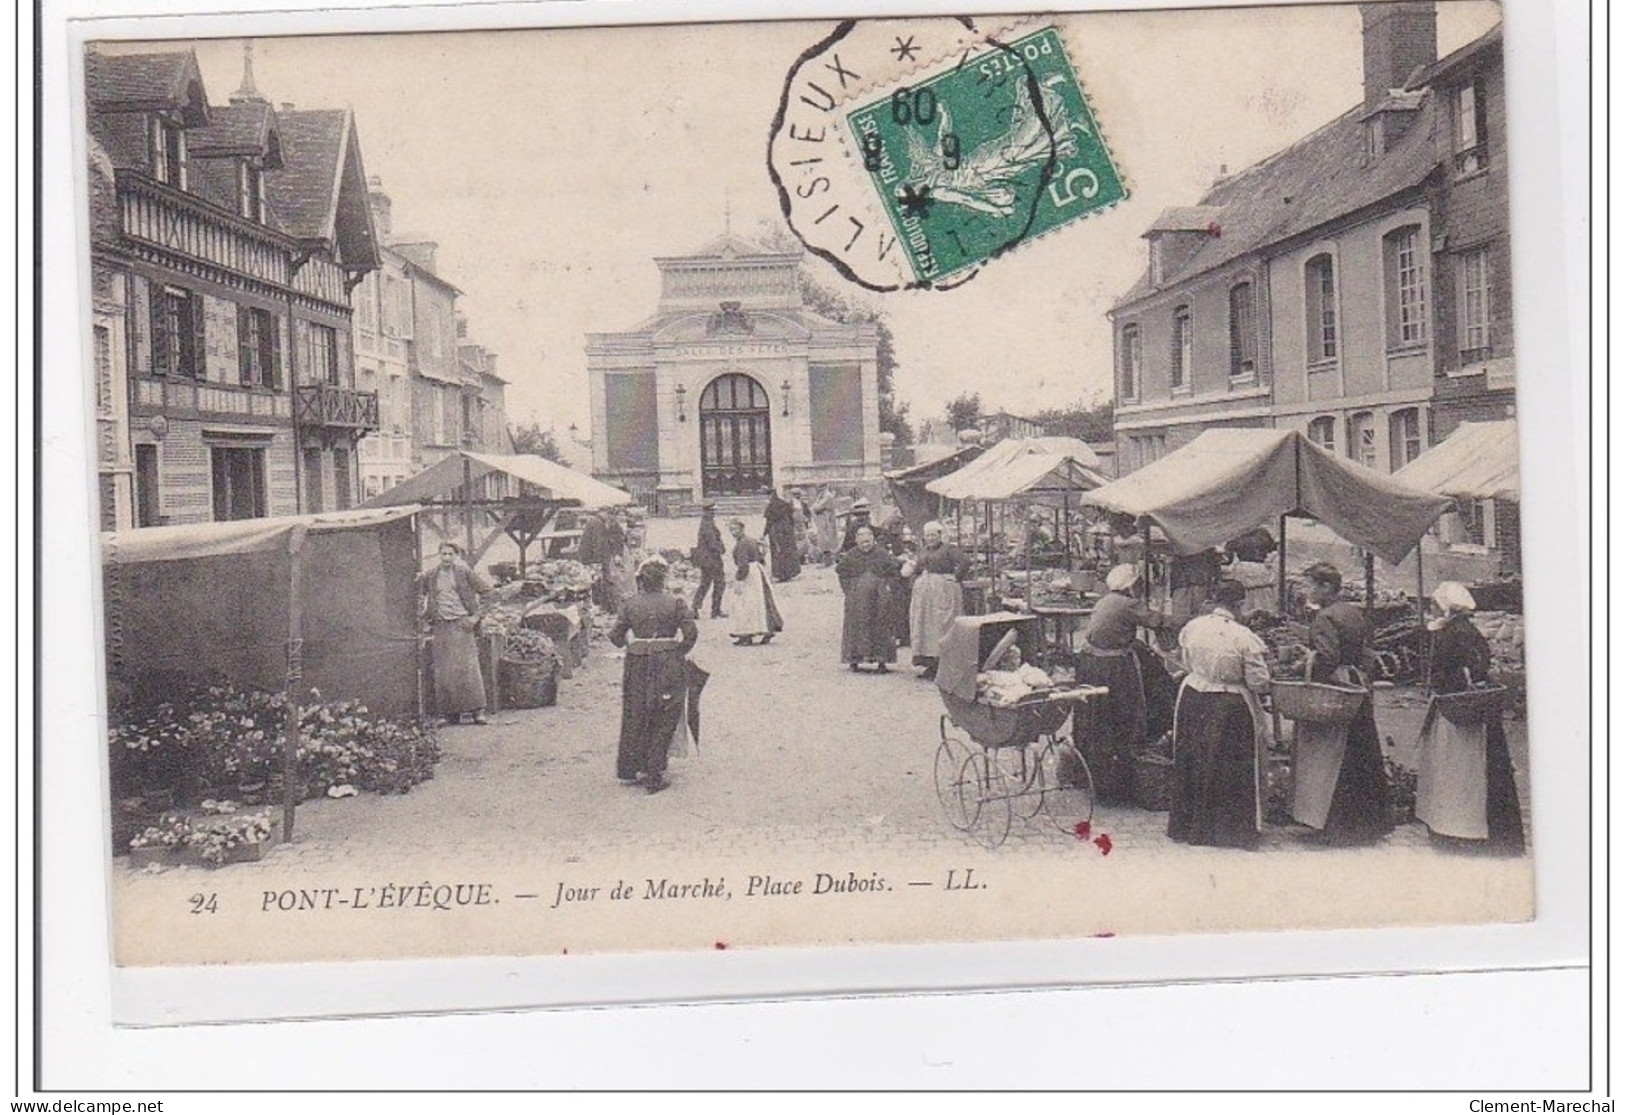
x: 1023, y: 777
x: 1068, y: 787
x: 985, y: 798
x: 946, y: 771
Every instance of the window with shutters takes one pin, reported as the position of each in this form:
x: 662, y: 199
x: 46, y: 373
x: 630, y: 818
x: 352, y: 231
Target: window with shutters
x: 1243, y: 333
x: 259, y: 348
x: 1179, y: 367
x: 1470, y: 128
x: 1404, y: 437
x: 1320, y: 308
x: 1363, y: 439
x: 177, y: 333
x: 1129, y: 363
x: 1406, y: 287
x: 1323, y: 432
x: 321, y: 354
x: 1475, y: 305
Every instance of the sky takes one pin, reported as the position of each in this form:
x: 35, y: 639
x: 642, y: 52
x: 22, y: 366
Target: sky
x: 552, y: 166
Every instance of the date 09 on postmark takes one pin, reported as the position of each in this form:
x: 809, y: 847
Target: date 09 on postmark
x: 997, y: 149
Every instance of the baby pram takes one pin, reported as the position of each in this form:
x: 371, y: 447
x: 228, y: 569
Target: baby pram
x: 1022, y: 764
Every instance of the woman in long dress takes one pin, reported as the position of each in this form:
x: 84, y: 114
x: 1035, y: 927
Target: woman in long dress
x: 754, y: 612
x: 868, y: 576
x: 1219, y: 729
x: 781, y: 538
x: 1138, y: 706
x: 453, y: 591
x: 1339, y: 786
x: 938, y: 598
x: 1464, y: 783
x: 657, y: 629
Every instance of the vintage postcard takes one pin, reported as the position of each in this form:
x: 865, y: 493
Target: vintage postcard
x: 709, y: 486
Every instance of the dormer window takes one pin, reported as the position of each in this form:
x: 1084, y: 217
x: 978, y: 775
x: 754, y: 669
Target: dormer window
x: 1469, y: 128
x: 168, y: 151
x: 251, y: 191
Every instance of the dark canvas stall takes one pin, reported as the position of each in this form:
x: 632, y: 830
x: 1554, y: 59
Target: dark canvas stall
x: 191, y: 602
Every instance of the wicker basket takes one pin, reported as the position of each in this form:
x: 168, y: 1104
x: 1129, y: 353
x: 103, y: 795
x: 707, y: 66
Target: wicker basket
x: 1153, y: 782
x: 1471, y: 707
x: 1316, y: 703
x: 529, y: 684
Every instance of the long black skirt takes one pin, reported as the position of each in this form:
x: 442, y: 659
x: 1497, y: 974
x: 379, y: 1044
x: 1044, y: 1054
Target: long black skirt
x: 1360, y: 810
x: 651, y: 705
x: 1215, y: 772
x: 1112, y: 729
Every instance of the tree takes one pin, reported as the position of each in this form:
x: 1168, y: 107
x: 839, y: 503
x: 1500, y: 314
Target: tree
x: 836, y: 306
x: 532, y: 439
x: 1084, y: 421
x: 965, y: 411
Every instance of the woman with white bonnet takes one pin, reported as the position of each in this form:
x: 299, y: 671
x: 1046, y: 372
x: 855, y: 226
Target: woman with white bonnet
x: 937, y: 571
x: 1464, y: 783
x: 1111, y: 731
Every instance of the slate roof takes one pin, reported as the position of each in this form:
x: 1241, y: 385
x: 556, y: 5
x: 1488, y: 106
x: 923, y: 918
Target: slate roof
x: 302, y: 192
x: 145, y: 82
x: 1318, y: 179
x: 239, y: 128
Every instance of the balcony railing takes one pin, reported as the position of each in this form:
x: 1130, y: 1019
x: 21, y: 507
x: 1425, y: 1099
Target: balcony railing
x: 164, y: 217
x: 322, y: 404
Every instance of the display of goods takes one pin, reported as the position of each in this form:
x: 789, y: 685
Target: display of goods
x: 528, y: 684
x: 525, y: 646
x: 210, y: 840
x: 501, y: 619
x: 562, y: 578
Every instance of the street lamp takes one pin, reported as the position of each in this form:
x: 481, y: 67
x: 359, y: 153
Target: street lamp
x: 682, y: 393
x: 785, y: 387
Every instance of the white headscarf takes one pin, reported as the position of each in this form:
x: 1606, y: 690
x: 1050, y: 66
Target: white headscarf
x: 1452, y: 599
x: 933, y: 525
x: 1122, y: 577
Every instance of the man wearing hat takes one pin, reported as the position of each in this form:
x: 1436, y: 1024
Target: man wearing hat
x: 1339, y: 786
x: 1139, y: 705
x: 709, y: 559
x: 857, y: 520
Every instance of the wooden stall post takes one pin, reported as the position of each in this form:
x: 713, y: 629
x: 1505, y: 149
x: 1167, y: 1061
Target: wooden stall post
x: 1370, y: 585
x: 294, y: 679
x: 1280, y: 570
x: 1145, y: 560
x: 468, y: 506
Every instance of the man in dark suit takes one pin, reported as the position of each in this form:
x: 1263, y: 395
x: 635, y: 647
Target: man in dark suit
x: 710, y: 556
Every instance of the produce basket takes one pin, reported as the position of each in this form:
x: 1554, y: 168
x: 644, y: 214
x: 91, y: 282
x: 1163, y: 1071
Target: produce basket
x: 1153, y: 782
x: 529, y: 684
x: 1471, y: 707
x: 1316, y: 703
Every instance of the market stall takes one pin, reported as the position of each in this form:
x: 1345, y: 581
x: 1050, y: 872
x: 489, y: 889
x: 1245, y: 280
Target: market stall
x: 324, y: 603
x: 1044, y: 477
x: 908, y: 487
x: 490, y: 496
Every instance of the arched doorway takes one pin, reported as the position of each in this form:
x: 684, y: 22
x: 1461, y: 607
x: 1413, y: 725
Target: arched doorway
x: 736, y: 442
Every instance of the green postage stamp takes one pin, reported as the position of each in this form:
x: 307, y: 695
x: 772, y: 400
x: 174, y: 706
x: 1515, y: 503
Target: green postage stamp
x: 998, y: 149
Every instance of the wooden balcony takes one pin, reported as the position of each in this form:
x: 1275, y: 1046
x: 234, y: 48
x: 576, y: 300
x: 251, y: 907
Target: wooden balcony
x: 156, y: 216
x: 330, y: 407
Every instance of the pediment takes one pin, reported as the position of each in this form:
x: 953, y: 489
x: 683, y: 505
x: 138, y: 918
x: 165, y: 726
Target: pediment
x: 731, y: 325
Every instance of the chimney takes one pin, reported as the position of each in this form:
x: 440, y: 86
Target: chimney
x: 380, y: 205
x: 1399, y: 39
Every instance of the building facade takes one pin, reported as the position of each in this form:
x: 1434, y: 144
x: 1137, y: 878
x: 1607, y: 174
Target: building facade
x: 734, y: 386
x: 1353, y: 286
x: 438, y: 391
x: 225, y: 240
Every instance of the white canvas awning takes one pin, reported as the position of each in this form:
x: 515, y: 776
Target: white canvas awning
x: 1479, y: 460
x: 440, y: 481
x: 1026, y: 466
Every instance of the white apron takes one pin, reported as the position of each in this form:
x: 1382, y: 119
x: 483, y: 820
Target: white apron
x: 1452, y: 796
